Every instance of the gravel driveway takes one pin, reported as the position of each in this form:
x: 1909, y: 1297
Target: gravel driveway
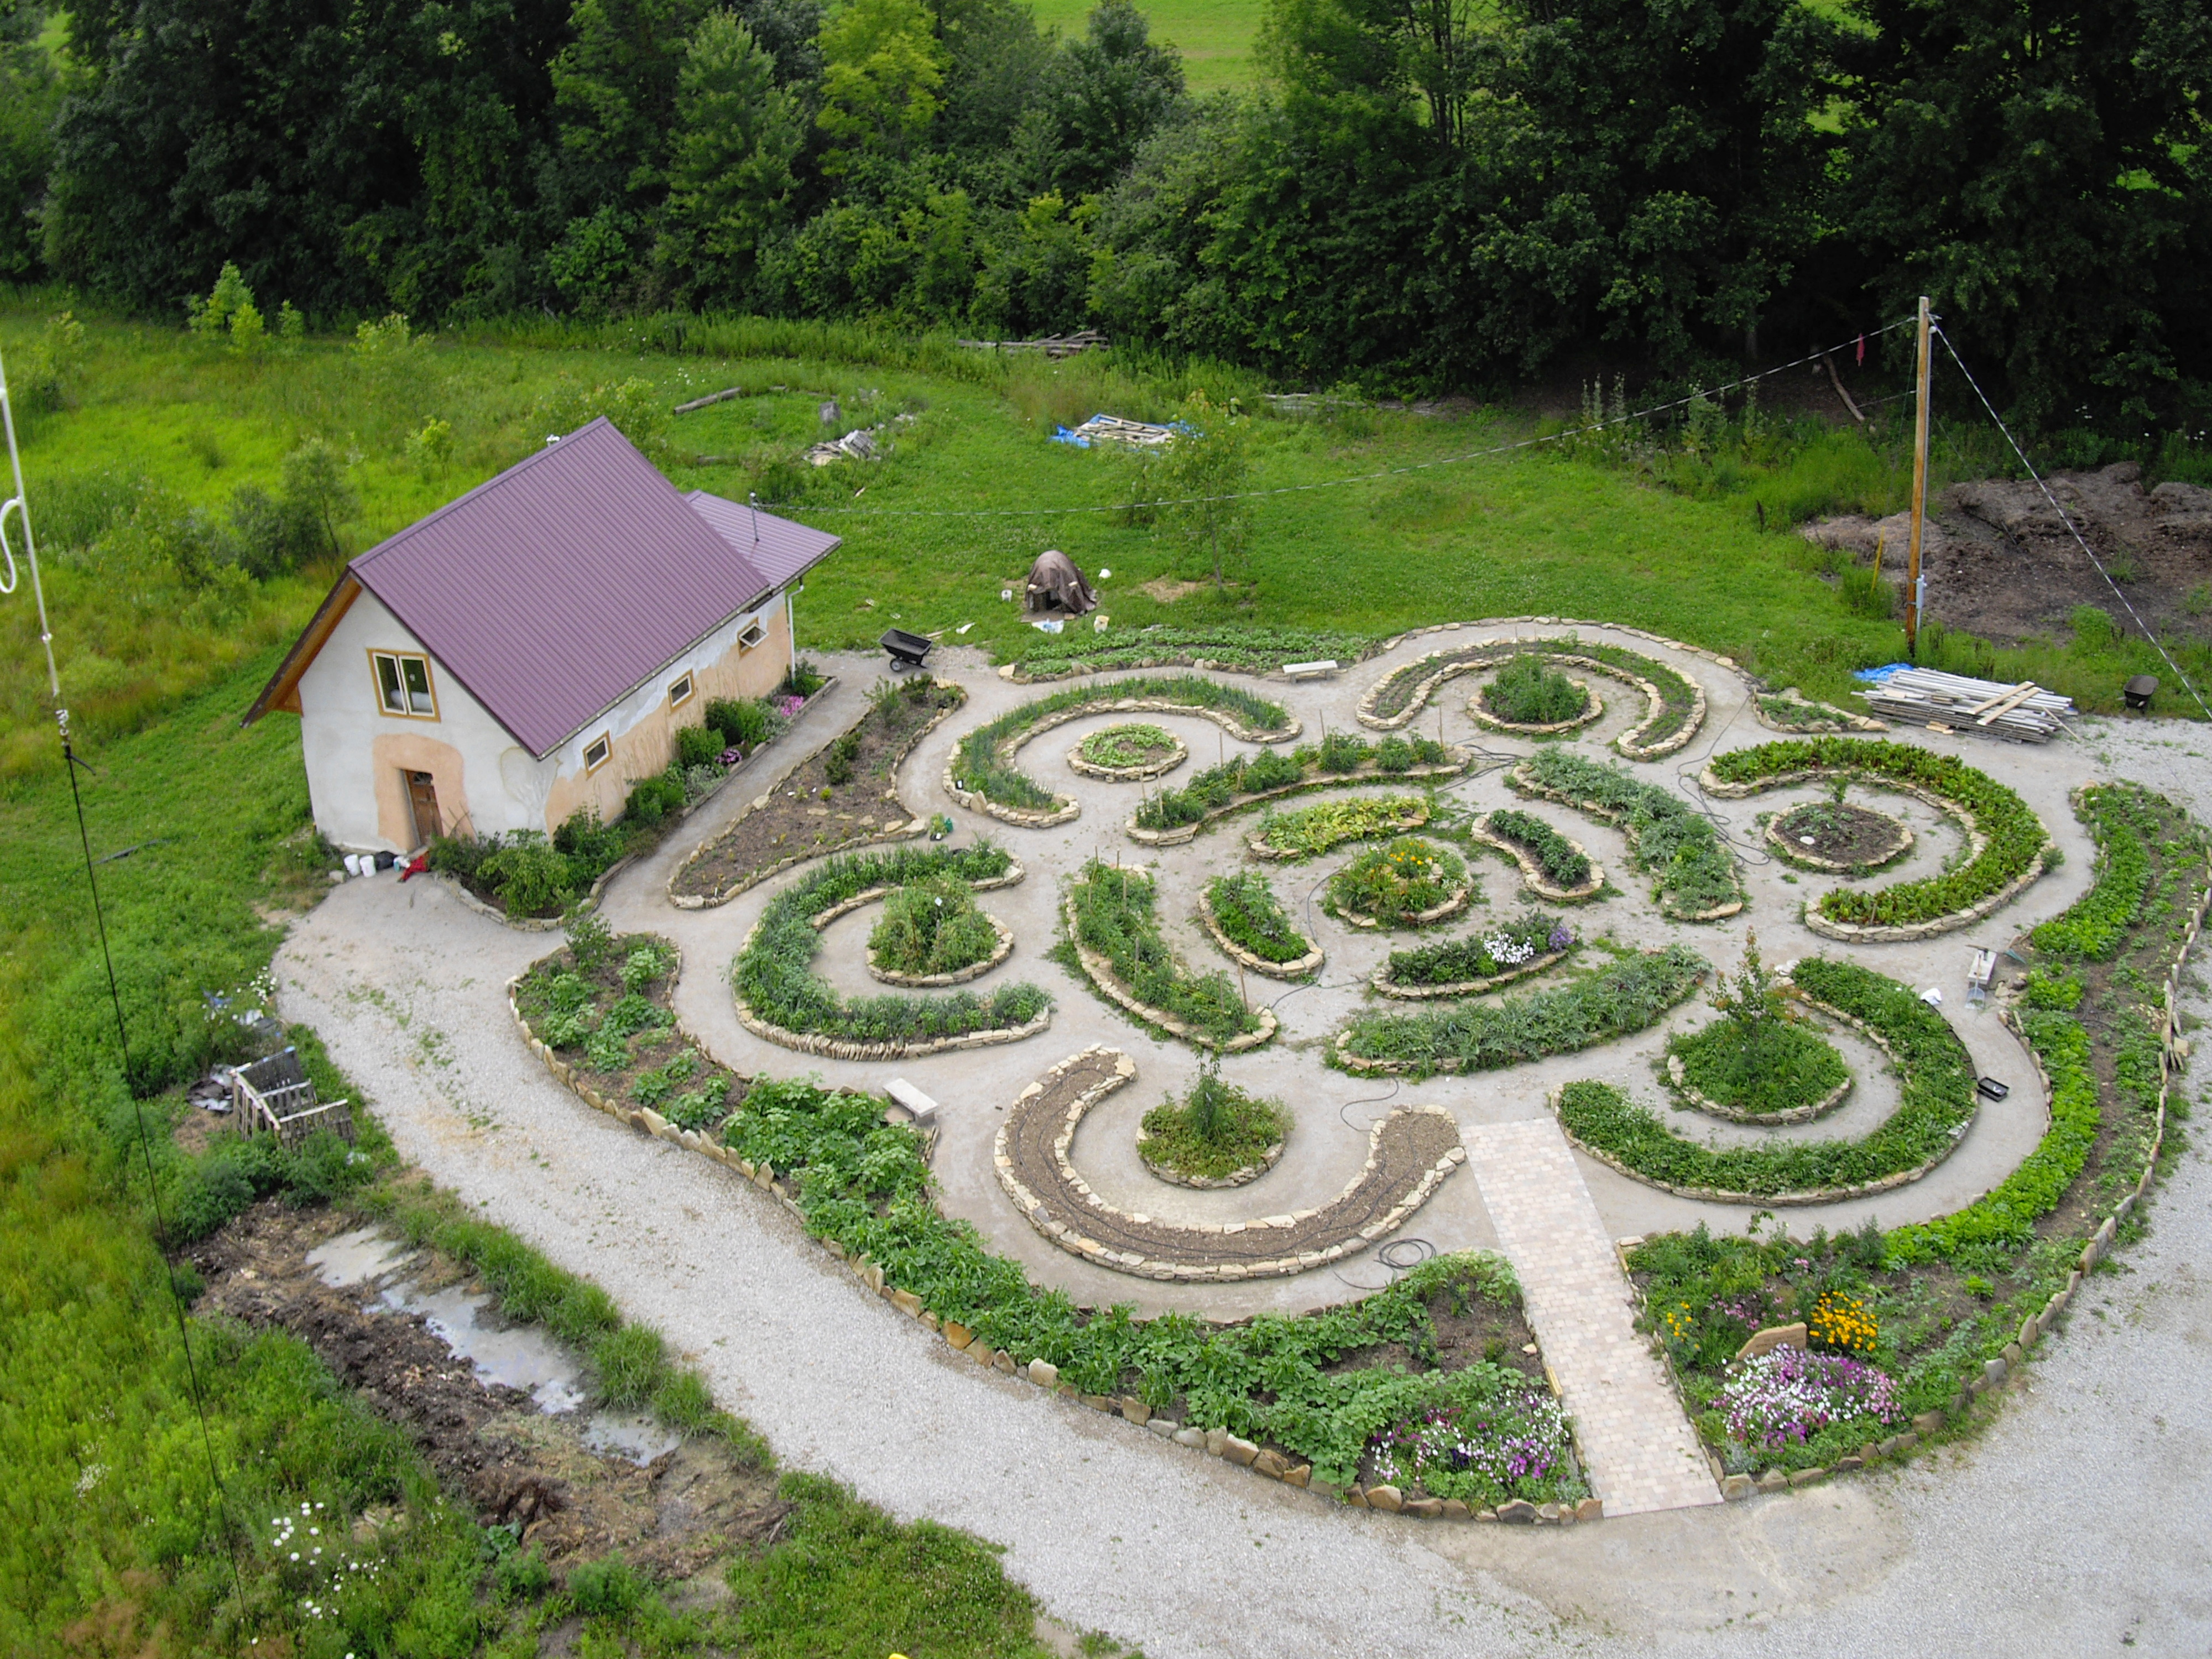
x: 2076, y: 1524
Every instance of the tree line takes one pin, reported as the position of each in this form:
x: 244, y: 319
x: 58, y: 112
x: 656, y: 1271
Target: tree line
x: 1436, y: 192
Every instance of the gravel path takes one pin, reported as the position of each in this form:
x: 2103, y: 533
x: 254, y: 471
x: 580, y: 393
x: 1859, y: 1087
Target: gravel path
x: 2076, y: 1523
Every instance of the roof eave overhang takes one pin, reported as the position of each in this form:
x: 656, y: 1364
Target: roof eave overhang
x: 283, y: 691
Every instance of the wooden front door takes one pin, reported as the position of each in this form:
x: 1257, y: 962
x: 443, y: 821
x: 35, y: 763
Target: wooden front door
x: 423, y: 796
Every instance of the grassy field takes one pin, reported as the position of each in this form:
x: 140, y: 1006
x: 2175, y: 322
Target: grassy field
x: 161, y: 651
x: 1215, y: 36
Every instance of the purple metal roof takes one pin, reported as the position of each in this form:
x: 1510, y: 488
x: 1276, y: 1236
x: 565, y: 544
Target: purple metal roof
x: 557, y: 589
x: 780, y: 550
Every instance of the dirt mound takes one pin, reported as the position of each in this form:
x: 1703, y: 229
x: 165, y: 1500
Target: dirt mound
x: 489, y: 1443
x: 2002, y: 563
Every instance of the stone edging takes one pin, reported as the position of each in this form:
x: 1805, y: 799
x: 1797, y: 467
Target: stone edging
x: 1359, y: 779
x: 1101, y: 974
x: 1143, y: 773
x: 1066, y: 808
x: 1237, y: 953
x: 1808, y: 1195
x: 1215, y: 1443
x: 1244, y: 1176
x: 1175, y: 1269
x: 2040, y: 1324
x: 752, y: 878
x: 1857, y: 722
x: 1711, y: 1107
x: 1428, y: 918
x: 1850, y: 932
x: 1590, y: 715
x: 1532, y: 873
x: 1504, y: 649
x: 1524, y: 784
x: 1261, y: 850
x: 1789, y: 854
x: 958, y: 976
x: 1381, y: 980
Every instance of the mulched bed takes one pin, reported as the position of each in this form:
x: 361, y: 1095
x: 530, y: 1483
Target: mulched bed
x: 806, y: 814
x: 1842, y: 834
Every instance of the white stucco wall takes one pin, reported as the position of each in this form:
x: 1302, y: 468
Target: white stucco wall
x: 356, y: 754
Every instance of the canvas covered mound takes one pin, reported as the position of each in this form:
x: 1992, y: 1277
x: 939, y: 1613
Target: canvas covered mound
x: 1055, y: 584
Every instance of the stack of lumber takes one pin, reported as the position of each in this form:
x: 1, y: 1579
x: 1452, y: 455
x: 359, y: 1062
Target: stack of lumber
x: 1055, y: 346
x: 2025, y: 713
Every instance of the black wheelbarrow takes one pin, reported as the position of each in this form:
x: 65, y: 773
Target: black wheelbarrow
x: 908, y: 650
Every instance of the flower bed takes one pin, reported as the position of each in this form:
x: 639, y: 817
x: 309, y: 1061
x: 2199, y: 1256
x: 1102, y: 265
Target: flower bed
x: 1492, y: 1438
x: 843, y: 794
x: 601, y: 1005
x: 1131, y: 753
x: 1529, y: 694
x: 1693, y: 875
x: 781, y: 998
x: 1555, y: 868
x: 2009, y: 855
x: 981, y: 774
x: 1838, y: 837
x: 1173, y: 815
x: 2093, y: 927
x: 1246, y: 919
x: 1629, y: 996
x: 1217, y: 1136
x: 1786, y: 1396
x: 1411, y: 883
x: 1312, y: 831
x: 1115, y: 924
x: 1467, y: 967
x: 1935, y: 1105
x: 931, y: 933
x: 1676, y: 705
x: 1784, y: 1075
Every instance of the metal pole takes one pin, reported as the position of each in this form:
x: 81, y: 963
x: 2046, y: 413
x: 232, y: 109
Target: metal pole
x: 1919, y: 490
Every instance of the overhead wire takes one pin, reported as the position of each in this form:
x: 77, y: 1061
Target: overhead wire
x: 1512, y: 447
x: 2067, y: 519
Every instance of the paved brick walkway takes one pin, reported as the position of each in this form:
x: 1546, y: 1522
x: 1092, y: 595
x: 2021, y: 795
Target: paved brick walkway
x: 1640, y: 1451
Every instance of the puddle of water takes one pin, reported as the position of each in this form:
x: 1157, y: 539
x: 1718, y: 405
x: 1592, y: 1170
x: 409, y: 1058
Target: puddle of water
x: 520, y: 1355
x: 356, y: 1257
x: 628, y: 1434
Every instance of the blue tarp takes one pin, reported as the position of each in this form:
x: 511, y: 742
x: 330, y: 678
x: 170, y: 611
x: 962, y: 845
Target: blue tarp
x: 1878, y: 675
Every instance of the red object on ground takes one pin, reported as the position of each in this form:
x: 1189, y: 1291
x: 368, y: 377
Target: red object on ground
x: 420, y: 863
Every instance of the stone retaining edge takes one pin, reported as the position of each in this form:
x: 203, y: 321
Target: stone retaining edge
x: 958, y: 976
x: 1804, y: 860
x: 1143, y: 774
x: 1360, y: 1067
x: 1590, y: 716
x: 1382, y: 982
x: 1236, y: 952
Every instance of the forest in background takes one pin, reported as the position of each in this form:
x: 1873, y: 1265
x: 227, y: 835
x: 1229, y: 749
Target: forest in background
x: 1419, y: 194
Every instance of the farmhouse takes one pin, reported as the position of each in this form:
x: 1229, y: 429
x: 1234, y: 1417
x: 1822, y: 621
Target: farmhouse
x: 531, y: 647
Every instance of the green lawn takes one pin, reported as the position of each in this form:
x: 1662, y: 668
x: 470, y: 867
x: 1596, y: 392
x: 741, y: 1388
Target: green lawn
x: 1215, y: 36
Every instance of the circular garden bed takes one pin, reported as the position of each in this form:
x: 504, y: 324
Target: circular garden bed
x: 1838, y: 837
x: 931, y: 933
x: 1773, y: 1070
x: 1411, y: 883
x: 1129, y: 753
x: 1529, y: 695
x: 1216, y: 1136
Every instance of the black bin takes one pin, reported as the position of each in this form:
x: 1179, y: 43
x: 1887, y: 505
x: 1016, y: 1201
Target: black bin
x: 2138, y: 691
x: 908, y: 650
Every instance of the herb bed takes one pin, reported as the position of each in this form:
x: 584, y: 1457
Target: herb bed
x: 1693, y: 874
x: 1112, y: 917
x: 1247, y: 919
x: 1172, y: 816
x: 1676, y: 703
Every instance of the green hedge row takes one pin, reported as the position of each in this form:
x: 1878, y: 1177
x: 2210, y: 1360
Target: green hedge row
x: 2014, y: 834
x: 775, y: 976
x: 1936, y: 1086
x: 1691, y: 867
x: 980, y: 764
x: 1629, y: 996
x: 863, y: 1183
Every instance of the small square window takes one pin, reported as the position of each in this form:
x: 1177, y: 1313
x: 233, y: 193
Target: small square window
x: 680, y: 693
x: 753, y: 636
x: 402, y: 684
x: 596, y: 752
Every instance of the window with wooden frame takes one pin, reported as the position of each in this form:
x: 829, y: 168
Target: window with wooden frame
x: 402, y: 684
x: 753, y: 636
x: 596, y: 753
x: 680, y: 692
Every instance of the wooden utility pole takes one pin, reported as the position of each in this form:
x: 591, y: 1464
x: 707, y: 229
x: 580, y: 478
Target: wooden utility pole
x: 1919, y: 492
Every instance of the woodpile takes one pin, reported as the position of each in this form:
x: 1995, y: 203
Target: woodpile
x: 1055, y: 346
x: 2025, y: 713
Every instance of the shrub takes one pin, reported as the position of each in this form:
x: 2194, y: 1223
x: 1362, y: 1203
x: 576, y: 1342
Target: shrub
x: 653, y: 798
x: 1246, y: 910
x: 1215, y: 1130
x: 803, y: 679
x: 529, y: 875
x: 743, y: 722
x: 594, y: 845
x: 837, y: 759
x: 1529, y: 691
x: 1629, y: 996
x: 698, y: 745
